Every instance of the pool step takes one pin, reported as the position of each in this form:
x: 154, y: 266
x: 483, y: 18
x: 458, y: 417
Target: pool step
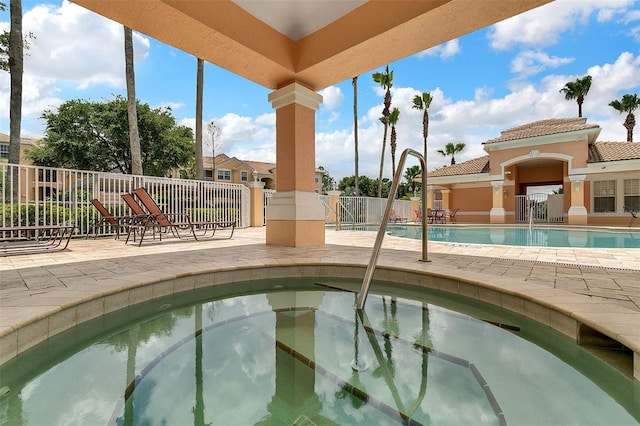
x: 303, y: 420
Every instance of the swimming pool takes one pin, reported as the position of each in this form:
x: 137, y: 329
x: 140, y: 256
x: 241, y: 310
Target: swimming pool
x: 522, y: 236
x: 281, y: 351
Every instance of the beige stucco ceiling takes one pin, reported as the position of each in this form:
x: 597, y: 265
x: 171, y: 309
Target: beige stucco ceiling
x: 316, y: 43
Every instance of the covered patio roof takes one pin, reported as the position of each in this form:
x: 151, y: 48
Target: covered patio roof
x: 316, y: 43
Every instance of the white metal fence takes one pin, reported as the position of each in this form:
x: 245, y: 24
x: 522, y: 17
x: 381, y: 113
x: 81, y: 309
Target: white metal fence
x: 544, y: 207
x: 34, y: 195
x: 366, y: 210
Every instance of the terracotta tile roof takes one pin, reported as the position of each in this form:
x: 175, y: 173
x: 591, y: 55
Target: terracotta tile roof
x: 262, y: 167
x: 477, y: 165
x: 29, y: 141
x: 613, y: 151
x: 542, y: 128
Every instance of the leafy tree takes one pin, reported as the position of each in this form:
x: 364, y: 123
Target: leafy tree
x: 95, y: 136
x: 394, y: 116
x: 368, y: 187
x: 452, y: 149
x: 577, y: 90
x: 327, y: 180
x: 132, y: 113
x: 354, y: 83
x: 410, y: 175
x: 628, y: 104
x: 385, y: 80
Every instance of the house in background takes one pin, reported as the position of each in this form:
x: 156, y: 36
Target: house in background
x: 25, y: 145
x: 233, y: 170
x: 593, y: 182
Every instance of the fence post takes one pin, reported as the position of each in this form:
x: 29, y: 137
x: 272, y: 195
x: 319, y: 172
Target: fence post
x: 334, y: 197
x: 256, y: 197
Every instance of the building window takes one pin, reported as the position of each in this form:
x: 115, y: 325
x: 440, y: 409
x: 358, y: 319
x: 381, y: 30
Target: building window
x: 224, y: 175
x: 632, y: 194
x: 4, y: 151
x: 244, y: 176
x: 604, y: 196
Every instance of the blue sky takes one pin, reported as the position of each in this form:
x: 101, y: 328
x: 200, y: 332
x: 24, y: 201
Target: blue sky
x: 485, y: 82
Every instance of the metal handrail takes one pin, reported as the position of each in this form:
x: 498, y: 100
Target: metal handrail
x: 368, y: 276
x: 342, y: 207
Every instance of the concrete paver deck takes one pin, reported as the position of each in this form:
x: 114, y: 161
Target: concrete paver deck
x: 603, y: 281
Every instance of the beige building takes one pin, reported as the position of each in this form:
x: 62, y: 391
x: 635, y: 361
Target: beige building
x: 25, y: 145
x: 595, y: 183
x: 233, y: 170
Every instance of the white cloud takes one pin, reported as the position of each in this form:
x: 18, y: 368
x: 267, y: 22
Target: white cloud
x: 443, y: 51
x: 531, y: 62
x: 332, y: 97
x: 542, y: 26
x: 76, y: 45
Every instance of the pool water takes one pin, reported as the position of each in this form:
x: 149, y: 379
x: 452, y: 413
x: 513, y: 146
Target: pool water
x: 296, y: 352
x: 521, y: 236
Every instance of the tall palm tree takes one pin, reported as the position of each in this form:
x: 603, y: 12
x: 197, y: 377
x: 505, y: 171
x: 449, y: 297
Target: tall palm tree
x: 628, y: 104
x: 422, y: 102
x: 354, y: 82
x: 452, y: 149
x: 132, y: 113
x: 16, y: 53
x: 394, y: 116
x: 577, y: 90
x: 199, y: 95
x: 385, y: 80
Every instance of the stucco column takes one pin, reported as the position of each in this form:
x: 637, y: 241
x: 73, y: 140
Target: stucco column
x: 334, y: 197
x: 497, y: 214
x: 415, y: 207
x: 429, y: 197
x: 577, y: 214
x: 256, y: 195
x: 445, y: 198
x: 295, y: 215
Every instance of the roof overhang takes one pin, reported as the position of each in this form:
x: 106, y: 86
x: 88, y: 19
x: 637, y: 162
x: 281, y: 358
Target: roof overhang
x: 377, y: 32
x: 589, y: 134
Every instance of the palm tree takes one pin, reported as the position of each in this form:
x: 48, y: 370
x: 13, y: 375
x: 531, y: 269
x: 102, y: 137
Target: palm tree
x: 628, y: 104
x: 423, y: 102
x: 577, y: 90
x: 385, y: 79
x: 354, y: 82
x: 199, y: 94
x: 452, y: 149
x: 16, y: 52
x: 410, y: 175
x: 134, y: 135
x: 394, y: 116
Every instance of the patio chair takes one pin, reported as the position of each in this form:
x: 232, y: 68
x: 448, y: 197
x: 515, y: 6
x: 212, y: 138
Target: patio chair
x: 633, y: 213
x: 452, y: 215
x: 439, y: 216
x: 429, y: 215
x: 418, y: 215
x: 115, y: 222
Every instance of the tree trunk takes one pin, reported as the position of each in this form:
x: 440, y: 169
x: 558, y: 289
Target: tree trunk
x: 15, y: 104
x: 629, y: 124
x: 355, y: 130
x: 199, y: 95
x: 384, y: 147
x: 134, y: 135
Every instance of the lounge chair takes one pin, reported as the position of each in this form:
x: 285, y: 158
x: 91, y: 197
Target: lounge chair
x: 177, y: 224
x: 107, y: 219
x: 394, y: 218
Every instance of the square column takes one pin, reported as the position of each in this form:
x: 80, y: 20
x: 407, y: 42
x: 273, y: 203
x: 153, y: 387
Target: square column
x: 295, y: 215
x: 497, y: 213
x: 577, y: 214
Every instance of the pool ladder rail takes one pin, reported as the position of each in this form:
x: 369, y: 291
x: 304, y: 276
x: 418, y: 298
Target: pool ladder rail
x: 368, y: 276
